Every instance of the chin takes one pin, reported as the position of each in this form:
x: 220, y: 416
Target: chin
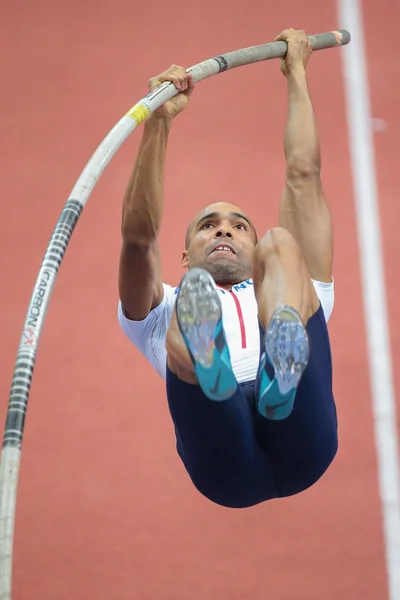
x: 224, y: 272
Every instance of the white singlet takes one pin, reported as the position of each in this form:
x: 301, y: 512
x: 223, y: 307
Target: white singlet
x: 240, y: 321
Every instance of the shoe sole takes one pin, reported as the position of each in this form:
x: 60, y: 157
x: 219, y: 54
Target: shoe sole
x: 199, y: 315
x: 287, y: 347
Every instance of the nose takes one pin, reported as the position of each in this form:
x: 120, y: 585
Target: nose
x: 223, y: 232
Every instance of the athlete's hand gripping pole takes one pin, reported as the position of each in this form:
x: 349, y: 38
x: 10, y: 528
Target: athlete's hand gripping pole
x: 231, y: 60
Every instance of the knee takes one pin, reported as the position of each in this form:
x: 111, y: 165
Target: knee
x: 277, y: 246
x: 277, y: 241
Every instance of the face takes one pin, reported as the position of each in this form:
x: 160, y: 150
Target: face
x: 221, y: 239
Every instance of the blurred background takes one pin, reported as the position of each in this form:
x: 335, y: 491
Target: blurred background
x: 105, y: 508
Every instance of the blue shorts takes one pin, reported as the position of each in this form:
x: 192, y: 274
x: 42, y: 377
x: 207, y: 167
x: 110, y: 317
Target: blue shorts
x: 237, y: 458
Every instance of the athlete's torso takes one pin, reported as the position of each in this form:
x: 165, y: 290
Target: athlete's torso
x: 240, y: 320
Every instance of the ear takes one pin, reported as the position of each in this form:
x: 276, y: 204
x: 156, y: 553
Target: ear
x: 185, y: 260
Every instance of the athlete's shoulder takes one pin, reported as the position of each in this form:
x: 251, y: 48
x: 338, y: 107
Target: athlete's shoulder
x: 170, y: 290
x: 170, y: 293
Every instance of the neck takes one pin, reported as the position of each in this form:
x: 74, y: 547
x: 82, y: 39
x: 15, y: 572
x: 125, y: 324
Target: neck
x: 228, y: 286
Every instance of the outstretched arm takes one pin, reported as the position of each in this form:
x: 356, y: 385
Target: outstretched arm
x: 303, y: 209
x: 140, y: 283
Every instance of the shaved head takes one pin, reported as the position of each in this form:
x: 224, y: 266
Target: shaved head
x: 217, y: 207
x: 221, y: 239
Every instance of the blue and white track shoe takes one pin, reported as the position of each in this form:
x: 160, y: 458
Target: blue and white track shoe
x: 199, y: 314
x: 287, y: 351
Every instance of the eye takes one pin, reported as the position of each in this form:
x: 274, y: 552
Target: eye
x: 206, y: 225
x: 241, y: 226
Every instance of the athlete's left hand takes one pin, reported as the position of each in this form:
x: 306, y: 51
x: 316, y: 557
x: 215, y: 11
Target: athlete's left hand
x: 298, y: 53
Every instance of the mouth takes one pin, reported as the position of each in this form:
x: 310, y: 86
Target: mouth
x: 226, y: 248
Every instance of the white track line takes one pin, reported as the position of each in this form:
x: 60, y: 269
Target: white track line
x: 373, y: 283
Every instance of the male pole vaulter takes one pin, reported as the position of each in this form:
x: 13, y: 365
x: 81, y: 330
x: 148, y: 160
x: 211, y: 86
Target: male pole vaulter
x: 243, y: 342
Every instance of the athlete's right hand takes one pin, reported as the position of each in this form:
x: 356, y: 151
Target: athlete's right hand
x: 183, y: 82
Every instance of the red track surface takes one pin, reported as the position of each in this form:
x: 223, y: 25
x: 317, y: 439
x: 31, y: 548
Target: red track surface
x: 105, y: 509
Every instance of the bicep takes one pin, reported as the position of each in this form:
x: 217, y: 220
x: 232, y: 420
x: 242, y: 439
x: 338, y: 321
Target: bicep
x: 304, y: 212
x: 139, y: 280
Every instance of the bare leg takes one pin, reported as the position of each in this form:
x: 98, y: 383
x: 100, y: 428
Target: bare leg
x: 178, y: 360
x: 281, y: 277
x: 286, y: 300
x: 196, y: 344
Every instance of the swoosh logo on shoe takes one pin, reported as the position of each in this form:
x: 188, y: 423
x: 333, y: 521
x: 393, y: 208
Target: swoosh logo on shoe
x: 271, y: 411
